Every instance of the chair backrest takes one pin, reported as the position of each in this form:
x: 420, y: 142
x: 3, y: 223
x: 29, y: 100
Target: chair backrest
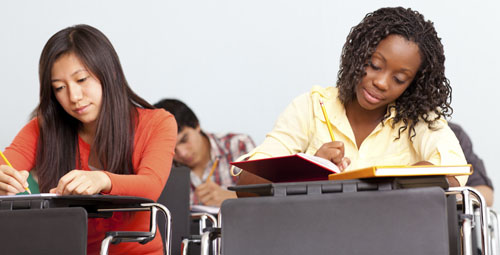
x: 44, y: 231
x: 406, y: 221
x: 175, y: 197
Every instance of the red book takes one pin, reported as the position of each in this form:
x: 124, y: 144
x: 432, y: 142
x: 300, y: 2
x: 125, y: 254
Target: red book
x: 292, y: 168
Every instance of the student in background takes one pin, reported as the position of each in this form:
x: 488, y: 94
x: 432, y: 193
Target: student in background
x: 389, y: 106
x: 200, y: 150
x: 92, y: 135
x: 479, y: 179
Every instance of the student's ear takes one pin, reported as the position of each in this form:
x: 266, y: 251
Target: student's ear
x: 198, y: 128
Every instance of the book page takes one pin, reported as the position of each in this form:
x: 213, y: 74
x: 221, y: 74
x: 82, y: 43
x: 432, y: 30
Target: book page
x: 424, y: 170
x: 321, y: 161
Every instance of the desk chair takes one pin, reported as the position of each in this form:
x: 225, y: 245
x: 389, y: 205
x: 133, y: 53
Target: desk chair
x: 116, y: 237
x: 405, y: 221
x: 494, y: 231
x: 471, y: 199
x: 175, y: 196
x: 43, y: 231
x: 204, y: 222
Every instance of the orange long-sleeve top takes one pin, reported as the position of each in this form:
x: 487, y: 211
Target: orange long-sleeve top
x: 154, y: 144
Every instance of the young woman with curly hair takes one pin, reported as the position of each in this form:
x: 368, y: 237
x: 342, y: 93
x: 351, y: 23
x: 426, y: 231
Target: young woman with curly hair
x: 389, y: 106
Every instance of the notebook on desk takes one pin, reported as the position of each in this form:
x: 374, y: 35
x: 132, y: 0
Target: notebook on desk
x: 27, y: 196
x: 205, y: 209
x: 398, y: 171
x: 304, y: 167
x: 291, y: 168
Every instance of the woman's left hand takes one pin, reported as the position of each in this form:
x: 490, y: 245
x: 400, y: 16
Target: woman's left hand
x: 81, y: 182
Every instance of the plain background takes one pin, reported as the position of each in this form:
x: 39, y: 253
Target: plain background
x: 239, y: 63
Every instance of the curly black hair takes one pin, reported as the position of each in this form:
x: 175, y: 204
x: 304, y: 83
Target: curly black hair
x: 430, y: 90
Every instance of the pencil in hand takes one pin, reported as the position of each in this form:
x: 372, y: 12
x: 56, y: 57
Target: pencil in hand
x: 327, y: 120
x: 213, y: 169
x: 8, y: 163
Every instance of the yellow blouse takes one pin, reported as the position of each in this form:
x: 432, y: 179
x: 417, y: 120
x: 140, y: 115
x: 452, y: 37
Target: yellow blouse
x: 302, y: 128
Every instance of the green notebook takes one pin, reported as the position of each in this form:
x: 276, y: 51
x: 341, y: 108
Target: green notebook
x: 33, y: 186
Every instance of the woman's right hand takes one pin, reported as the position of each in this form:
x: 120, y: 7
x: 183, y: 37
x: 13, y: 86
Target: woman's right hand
x: 12, y: 181
x: 334, y: 151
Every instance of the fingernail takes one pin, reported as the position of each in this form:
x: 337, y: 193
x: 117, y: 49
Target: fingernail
x: 344, y: 165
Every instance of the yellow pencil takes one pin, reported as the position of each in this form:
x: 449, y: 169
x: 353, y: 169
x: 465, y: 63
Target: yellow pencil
x: 213, y: 169
x: 8, y: 163
x: 327, y: 120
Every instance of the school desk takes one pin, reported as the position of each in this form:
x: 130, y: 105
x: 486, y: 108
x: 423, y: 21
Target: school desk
x: 370, y: 216
x: 48, y: 224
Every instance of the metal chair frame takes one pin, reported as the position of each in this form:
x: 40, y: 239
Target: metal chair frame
x: 142, y: 237
x: 471, y: 199
x: 203, y: 218
x: 494, y: 232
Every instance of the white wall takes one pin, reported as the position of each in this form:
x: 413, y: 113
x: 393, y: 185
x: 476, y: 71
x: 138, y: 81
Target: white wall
x: 239, y: 63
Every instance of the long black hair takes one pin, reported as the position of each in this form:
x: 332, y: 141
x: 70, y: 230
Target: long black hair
x: 57, y: 149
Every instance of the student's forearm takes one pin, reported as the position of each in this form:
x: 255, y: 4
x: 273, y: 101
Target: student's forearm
x: 487, y: 193
x: 453, y: 181
x: 246, y: 178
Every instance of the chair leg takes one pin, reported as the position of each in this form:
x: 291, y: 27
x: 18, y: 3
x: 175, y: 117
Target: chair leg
x: 205, y: 243
x: 105, y: 245
x: 184, y: 246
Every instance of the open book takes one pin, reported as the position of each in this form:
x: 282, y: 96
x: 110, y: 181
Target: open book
x: 205, y: 209
x: 394, y: 171
x: 297, y: 167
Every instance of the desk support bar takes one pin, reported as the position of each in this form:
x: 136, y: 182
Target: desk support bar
x: 203, y: 217
x: 128, y: 236
x: 494, y: 235
x: 168, y: 234
x: 470, y: 198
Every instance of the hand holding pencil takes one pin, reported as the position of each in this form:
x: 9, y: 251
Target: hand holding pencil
x: 214, y: 166
x: 334, y: 150
x: 11, y: 180
x: 211, y: 193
